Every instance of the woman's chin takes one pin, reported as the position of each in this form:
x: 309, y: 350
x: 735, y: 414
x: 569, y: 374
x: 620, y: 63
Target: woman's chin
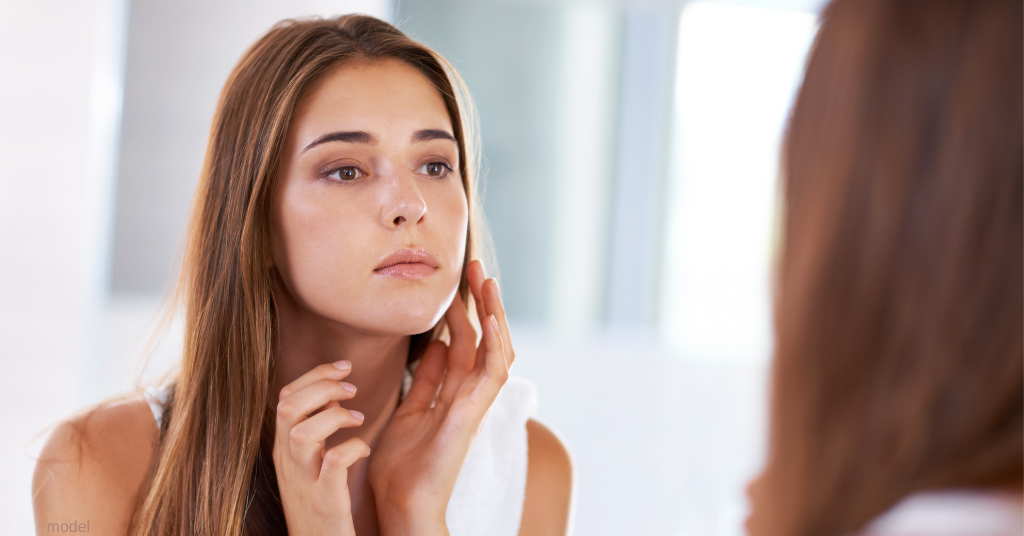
x: 403, y: 322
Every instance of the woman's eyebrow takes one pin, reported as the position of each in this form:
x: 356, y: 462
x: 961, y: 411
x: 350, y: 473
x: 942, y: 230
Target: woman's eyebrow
x: 432, y: 134
x: 357, y: 136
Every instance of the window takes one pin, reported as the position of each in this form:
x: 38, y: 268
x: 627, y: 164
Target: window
x: 737, y: 71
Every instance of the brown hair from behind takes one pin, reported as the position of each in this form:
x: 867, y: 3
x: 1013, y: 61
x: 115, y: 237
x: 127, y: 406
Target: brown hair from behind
x: 899, y: 362
x: 212, y: 473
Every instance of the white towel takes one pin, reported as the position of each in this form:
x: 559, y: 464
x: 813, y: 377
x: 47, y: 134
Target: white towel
x: 488, y: 495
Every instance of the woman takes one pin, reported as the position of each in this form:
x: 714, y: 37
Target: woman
x: 332, y: 230
x: 898, y: 382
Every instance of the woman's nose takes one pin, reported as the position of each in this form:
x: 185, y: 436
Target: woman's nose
x: 402, y: 203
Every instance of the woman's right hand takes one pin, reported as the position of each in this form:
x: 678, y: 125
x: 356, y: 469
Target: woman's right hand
x: 313, y: 481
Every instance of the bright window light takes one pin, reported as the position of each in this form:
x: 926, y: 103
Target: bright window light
x: 738, y: 70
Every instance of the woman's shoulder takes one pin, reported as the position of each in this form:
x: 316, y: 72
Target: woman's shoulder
x: 549, y: 460
x: 547, y: 506
x: 93, y: 465
x: 547, y: 501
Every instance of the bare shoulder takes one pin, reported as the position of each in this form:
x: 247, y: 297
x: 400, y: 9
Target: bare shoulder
x: 549, y: 483
x: 92, y: 466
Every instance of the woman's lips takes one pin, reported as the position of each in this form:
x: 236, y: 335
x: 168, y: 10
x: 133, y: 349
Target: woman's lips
x: 407, y: 264
x: 407, y: 270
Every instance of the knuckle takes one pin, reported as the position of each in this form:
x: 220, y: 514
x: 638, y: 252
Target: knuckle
x: 338, y: 459
x: 286, y: 410
x: 333, y: 459
x: 298, y: 437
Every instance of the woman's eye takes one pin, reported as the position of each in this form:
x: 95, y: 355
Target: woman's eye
x: 435, y: 169
x: 346, y: 173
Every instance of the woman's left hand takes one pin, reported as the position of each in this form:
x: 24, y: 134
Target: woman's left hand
x: 416, y: 461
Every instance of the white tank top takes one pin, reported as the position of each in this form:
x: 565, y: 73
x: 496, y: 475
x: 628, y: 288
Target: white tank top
x: 489, y: 491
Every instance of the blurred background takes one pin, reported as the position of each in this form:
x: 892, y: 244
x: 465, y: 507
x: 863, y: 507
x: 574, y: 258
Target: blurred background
x: 631, y: 155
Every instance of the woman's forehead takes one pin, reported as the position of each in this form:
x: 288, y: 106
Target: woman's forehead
x: 387, y: 98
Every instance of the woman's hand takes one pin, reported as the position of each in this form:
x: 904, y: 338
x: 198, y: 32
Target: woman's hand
x: 313, y: 481
x: 419, y: 455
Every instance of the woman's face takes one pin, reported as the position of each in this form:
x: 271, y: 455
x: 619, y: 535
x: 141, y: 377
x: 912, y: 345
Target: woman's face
x: 369, y: 212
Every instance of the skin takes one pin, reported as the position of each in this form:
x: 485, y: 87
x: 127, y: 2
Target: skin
x: 339, y: 208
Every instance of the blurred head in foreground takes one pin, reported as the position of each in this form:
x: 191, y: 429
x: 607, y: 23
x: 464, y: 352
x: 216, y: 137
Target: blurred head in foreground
x: 899, y: 316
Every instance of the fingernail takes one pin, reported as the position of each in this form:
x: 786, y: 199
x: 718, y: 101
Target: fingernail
x: 356, y: 414
x: 348, y: 387
x: 344, y: 364
x: 494, y: 323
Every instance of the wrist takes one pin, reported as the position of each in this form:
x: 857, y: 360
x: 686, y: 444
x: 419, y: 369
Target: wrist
x: 412, y: 525
x: 410, y: 513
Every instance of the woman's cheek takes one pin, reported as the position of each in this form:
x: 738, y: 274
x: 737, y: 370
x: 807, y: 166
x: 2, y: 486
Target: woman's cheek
x: 328, y: 261
x: 455, y: 220
x: 319, y: 280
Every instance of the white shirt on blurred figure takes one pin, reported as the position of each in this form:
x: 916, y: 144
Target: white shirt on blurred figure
x: 952, y: 513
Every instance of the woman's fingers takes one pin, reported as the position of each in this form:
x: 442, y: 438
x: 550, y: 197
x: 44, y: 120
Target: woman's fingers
x: 319, y: 395
x: 497, y: 369
x: 492, y: 301
x: 312, y: 479
x: 306, y: 439
x: 328, y: 371
x: 298, y: 405
x: 461, y: 353
x: 488, y: 302
x: 494, y: 356
x: 428, y: 378
x: 333, y: 476
x: 475, y: 275
x: 463, y: 336
x: 495, y: 373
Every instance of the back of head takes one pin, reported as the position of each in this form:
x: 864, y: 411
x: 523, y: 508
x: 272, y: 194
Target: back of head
x: 899, y: 318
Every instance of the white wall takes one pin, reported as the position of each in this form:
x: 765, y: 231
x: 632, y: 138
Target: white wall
x: 59, y: 102
x: 660, y: 446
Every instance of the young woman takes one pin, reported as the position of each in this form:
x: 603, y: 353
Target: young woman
x: 898, y: 397
x: 330, y: 251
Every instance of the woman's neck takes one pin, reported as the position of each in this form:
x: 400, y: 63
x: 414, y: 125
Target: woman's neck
x: 306, y: 340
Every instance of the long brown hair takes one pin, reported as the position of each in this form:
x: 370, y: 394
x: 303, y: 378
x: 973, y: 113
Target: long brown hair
x: 212, y: 473
x: 899, y: 363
